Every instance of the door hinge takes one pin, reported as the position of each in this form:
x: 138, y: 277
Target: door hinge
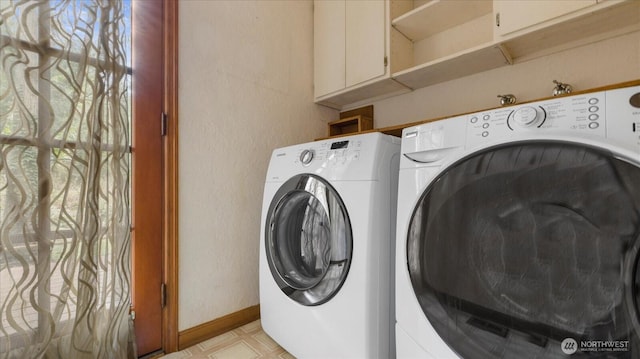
x: 163, y: 295
x: 386, y: 61
x: 163, y: 124
x: 498, y: 19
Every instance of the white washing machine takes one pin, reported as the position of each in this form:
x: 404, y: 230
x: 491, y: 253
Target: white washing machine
x: 326, y: 247
x: 519, y: 229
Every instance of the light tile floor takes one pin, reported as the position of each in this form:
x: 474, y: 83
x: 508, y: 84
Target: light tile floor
x: 246, y: 342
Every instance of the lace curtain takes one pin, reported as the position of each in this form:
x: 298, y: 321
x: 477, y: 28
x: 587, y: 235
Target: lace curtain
x: 64, y: 180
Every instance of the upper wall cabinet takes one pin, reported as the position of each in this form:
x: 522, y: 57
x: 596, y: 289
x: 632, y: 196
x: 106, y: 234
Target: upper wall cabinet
x: 530, y: 29
x: 351, y: 61
x: 366, y: 50
x: 365, y: 41
x: 329, y: 50
x: 512, y: 15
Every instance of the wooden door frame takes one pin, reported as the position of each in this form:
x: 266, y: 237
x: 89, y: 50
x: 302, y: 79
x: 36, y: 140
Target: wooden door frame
x: 170, y: 176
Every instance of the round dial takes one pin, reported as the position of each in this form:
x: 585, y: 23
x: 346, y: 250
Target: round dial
x: 527, y: 116
x: 306, y: 157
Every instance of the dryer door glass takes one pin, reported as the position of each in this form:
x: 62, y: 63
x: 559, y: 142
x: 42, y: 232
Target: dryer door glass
x: 308, y: 239
x: 516, y: 249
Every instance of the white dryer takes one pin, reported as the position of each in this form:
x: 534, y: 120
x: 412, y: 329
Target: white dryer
x: 519, y: 231
x: 326, y: 247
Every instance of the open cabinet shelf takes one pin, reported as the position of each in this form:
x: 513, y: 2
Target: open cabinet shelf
x: 441, y: 40
x: 480, y: 58
x: 439, y: 15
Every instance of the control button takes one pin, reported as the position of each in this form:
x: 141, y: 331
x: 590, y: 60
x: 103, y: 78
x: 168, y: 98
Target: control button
x: 594, y: 125
x: 474, y: 119
x: 486, y: 117
x: 527, y: 116
x: 593, y: 109
x: 593, y: 117
x: 593, y: 101
x: 485, y: 125
x: 485, y: 133
x: 306, y: 157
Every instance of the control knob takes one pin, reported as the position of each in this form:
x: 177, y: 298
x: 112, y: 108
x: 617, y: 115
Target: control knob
x: 527, y: 116
x: 306, y: 157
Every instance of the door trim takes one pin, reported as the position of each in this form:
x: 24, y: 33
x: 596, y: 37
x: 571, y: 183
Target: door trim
x: 170, y: 174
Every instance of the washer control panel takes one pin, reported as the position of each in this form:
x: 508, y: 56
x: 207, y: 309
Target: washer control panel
x: 334, y: 153
x: 585, y: 113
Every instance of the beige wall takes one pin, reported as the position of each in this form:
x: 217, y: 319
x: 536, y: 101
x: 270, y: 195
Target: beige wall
x: 246, y: 88
x: 599, y: 64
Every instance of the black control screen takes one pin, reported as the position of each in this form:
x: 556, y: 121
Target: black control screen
x: 339, y: 145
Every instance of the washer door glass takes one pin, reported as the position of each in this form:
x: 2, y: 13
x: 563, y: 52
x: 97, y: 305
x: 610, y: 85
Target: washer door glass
x: 308, y: 239
x: 516, y: 249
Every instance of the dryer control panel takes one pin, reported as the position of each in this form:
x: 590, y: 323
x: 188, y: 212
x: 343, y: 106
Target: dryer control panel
x: 613, y: 114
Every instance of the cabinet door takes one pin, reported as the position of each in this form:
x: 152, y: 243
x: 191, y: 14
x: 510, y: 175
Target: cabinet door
x: 516, y: 15
x: 365, y: 40
x: 329, y: 46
